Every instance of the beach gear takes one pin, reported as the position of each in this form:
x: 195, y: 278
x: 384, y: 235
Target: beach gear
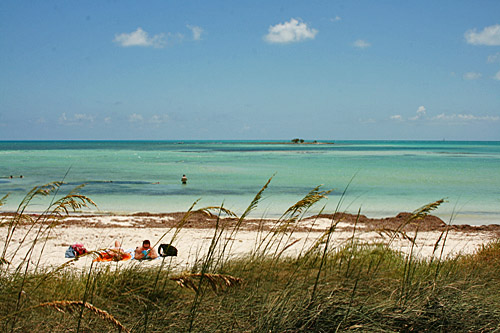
x: 167, y: 250
x: 75, y: 250
x: 70, y: 253
x: 79, y: 249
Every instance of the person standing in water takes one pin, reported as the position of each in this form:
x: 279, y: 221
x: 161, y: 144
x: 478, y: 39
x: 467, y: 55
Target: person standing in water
x: 184, y: 179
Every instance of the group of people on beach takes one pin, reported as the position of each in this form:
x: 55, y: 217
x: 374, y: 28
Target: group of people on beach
x: 116, y: 253
x: 145, y: 251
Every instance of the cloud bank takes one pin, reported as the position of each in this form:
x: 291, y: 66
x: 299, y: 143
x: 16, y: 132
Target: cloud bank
x: 421, y: 115
x: 154, y: 119
x: 77, y: 118
x: 465, y: 117
x: 289, y: 32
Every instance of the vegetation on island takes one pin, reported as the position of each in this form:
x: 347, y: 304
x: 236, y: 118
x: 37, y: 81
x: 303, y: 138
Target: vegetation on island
x: 328, y: 287
x: 297, y: 140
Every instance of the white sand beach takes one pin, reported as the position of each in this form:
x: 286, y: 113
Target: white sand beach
x: 100, y: 232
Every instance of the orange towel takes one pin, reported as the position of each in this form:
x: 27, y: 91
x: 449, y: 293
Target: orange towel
x: 113, y: 256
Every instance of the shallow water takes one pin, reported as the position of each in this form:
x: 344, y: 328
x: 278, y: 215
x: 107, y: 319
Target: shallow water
x: 387, y: 176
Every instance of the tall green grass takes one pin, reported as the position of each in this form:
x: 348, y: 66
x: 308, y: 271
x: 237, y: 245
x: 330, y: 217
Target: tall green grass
x: 351, y: 286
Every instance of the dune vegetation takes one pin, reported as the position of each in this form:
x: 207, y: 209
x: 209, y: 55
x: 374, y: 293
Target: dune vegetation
x: 353, y: 287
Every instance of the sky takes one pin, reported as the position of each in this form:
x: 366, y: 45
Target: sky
x: 249, y: 70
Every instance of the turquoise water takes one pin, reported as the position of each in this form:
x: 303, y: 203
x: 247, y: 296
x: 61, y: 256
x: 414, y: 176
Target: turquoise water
x: 387, y: 177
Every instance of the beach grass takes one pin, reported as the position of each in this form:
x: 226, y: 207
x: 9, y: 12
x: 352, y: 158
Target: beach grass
x: 328, y: 287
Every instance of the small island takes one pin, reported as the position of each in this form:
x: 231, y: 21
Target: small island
x: 295, y: 141
x: 315, y: 142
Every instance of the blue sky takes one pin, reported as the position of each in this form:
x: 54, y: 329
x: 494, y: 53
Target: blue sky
x: 318, y: 70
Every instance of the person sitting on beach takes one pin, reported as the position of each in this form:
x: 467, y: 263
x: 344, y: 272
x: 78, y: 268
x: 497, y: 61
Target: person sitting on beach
x: 145, y: 251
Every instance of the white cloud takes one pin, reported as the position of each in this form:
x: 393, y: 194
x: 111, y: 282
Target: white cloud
x: 361, y: 44
x: 397, y: 117
x: 135, y: 118
x: 472, y: 76
x: 77, y: 118
x: 421, y: 112
x: 488, y: 36
x: 290, y: 32
x: 336, y: 19
x: 497, y: 76
x: 197, y: 31
x: 494, y: 58
x: 140, y: 38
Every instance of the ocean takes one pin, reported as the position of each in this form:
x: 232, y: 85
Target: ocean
x: 381, y: 178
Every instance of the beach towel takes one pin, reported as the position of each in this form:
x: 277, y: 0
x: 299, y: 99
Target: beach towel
x: 113, y: 255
